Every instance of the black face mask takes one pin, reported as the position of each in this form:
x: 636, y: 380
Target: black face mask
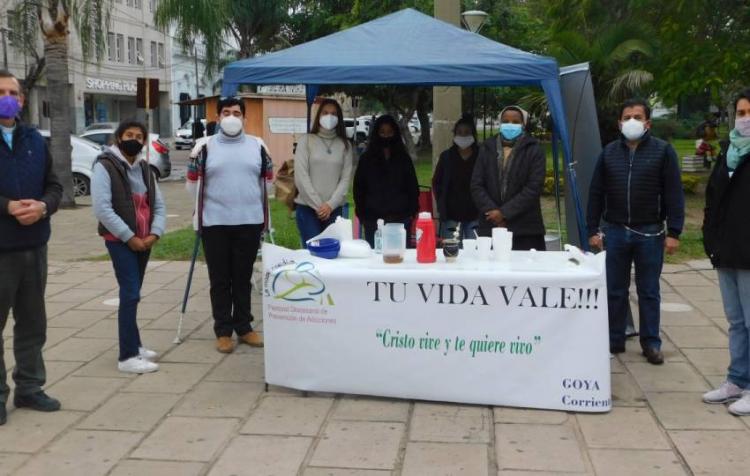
x: 131, y: 147
x: 388, y: 141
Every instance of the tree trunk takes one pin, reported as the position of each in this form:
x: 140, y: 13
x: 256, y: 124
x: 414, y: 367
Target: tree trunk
x: 423, y: 107
x: 56, y: 54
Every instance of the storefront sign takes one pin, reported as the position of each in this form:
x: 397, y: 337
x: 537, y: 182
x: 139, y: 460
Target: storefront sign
x: 532, y: 333
x: 287, y: 125
x: 283, y: 89
x: 110, y: 85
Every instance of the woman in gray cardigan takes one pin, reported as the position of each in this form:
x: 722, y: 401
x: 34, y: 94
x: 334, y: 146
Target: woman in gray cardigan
x: 322, y: 171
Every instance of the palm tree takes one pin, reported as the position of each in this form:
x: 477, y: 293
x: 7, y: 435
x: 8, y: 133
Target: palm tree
x: 53, y: 16
x: 253, y: 24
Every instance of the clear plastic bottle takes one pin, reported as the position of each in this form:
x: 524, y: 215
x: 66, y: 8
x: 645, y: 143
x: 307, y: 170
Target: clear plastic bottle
x: 379, y: 237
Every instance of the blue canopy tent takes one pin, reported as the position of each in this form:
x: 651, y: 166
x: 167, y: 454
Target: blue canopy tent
x: 411, y: 48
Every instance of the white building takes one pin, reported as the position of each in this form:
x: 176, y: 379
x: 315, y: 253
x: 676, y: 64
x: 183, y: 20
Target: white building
x: 105, y: 90
x: 185, y: 64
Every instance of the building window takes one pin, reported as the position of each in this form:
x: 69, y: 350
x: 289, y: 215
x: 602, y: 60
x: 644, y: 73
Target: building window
x: 129, y: 3
x: 162, y: 59
x: 111, y: 47
x: 131, y: 50
x: 139, y: 50
x: 120, y: 48
x: 154, y: 56
x: 138, y: 4
x: 152, y: 5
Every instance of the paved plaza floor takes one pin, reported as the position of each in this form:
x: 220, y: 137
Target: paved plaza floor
x: 207, y: 413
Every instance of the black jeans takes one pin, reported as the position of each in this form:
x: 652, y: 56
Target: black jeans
x: 23, y: 277
x: 230, y: 255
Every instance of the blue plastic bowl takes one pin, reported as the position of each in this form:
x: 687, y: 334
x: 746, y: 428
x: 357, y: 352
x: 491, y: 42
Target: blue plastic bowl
x: 324, y: 248
x: 327, y: 254
x: 324, y: 244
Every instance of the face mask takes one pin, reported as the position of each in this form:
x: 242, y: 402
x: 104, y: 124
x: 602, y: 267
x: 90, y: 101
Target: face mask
x: 9, y: 107
x: 388, y: 141
x: 232, y: 126
x: 463, y: 142
x: 328, y: 122
x: 511, y: 131
x: 633, y: 129
x: 743, y: 126
x: 131, y: 147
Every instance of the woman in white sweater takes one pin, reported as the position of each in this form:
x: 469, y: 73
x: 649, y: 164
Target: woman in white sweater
x: 322, y: 171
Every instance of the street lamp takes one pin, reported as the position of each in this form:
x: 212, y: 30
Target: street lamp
x: 474, y: 20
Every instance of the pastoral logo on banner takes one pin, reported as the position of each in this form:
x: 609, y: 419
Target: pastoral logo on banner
x: 536, y: 338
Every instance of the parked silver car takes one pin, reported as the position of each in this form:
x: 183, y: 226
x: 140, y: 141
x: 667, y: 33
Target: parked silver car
x: 158, y: 155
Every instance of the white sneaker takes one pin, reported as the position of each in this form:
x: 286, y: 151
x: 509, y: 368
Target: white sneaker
x: 137, y: 365
x: 726, y: 392
x: 742, y: 406
x: 147, y: 354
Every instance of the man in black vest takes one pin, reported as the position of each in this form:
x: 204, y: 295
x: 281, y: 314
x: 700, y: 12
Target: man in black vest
x: 29, y: 193
x: 636, y: 189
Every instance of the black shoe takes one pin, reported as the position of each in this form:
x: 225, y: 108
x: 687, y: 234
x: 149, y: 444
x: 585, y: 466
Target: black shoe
x: 38, y: 401
x: 654, y: 356
x: 3, y: 414
x: 616, y: 349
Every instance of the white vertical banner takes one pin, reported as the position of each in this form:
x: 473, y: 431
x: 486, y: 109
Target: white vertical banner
x: 531, y: 334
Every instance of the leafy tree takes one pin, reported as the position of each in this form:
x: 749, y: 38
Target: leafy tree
x: 53, y: 18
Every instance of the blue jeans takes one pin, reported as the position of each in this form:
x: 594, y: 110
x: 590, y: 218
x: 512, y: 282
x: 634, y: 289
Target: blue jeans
x: 735, y: 293
x: 308, y: 223
x: 467, y: 229
x: 130, y: 268
x: 624, y: 247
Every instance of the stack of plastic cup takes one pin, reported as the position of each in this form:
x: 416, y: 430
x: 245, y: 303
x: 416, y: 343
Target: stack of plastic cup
x: 502, y: 243
x: 469, y: 250
x: 484, y: 246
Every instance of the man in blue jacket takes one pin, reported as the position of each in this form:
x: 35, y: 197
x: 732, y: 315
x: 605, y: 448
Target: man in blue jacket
x: 636, y: 189
x: 29, y: 193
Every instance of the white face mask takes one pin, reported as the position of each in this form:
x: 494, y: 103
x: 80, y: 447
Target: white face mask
x: 633, y: 129
x: 231, y: 125
x: 463, y: 142
x: 328, y: 121
x: 743, y: 126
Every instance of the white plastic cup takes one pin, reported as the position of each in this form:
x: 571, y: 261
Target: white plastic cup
x: 502, y: 246
x: 484, y: 245
x: 469, y: 249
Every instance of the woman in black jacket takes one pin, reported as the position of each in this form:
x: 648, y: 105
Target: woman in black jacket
x: 508, y: 180
x: 451, y: 182
x: 726, y: 238
x: 385, y: 183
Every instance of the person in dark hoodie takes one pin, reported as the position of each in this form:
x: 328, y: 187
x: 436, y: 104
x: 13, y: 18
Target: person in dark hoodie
x: 451, y: 183
x: 385, y: 183
x: 508, y: 180
x: 29, y: 195
x: 132, y: 216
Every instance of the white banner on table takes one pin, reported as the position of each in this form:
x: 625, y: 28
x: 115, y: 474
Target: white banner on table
x: 533, y: 335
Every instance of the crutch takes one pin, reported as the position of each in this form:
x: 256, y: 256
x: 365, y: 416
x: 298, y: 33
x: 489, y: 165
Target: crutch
x: 196, y: 248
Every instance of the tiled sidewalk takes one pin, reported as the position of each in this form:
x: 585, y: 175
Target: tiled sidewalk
x: 207, y: 413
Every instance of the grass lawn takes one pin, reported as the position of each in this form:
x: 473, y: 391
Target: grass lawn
x: 178, y: 245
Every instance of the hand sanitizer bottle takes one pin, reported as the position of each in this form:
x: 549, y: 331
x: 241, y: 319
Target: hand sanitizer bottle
x: 379, y: 236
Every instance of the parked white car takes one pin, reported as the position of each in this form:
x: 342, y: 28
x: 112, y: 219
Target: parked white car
x: 82, y: 156
x: 183, y: 137
x: 158, y: 155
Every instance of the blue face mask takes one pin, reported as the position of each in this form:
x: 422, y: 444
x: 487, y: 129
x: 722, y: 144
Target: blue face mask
x: 511, y: 131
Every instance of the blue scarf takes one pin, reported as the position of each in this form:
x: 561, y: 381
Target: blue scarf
x: 739, y: 148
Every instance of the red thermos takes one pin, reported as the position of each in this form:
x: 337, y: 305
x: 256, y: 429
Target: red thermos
x: 425, y: 239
